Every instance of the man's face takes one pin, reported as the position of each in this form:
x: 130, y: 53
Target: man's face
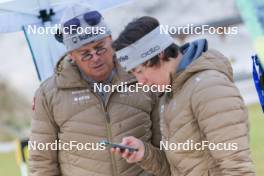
x: 95, y: 59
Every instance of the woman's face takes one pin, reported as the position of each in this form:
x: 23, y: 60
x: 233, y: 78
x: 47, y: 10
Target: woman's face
x: 155, y: 75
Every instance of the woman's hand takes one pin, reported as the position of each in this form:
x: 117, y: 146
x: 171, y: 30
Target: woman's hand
x: 133, y: 142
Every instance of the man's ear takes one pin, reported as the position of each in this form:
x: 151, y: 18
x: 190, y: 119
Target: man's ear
x: 71, y: 56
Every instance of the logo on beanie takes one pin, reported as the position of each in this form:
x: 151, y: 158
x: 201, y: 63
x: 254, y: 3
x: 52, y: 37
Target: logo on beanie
x: 122, y: 58
x: 74, y: 40
x: 150, y: 51
x: 82, y: 37
x: 86, y: 36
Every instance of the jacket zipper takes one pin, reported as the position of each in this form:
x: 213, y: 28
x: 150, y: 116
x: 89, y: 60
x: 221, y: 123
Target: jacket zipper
x: 109, y: 132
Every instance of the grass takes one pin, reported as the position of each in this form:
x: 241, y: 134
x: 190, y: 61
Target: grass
x: 9, y: 167
x: 257, y: 137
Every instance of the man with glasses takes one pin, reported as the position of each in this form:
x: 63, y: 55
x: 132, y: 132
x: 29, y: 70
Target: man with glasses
x: 71, y: 116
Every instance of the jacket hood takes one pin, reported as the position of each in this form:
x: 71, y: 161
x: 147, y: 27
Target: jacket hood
x: 68, y: 75
x: 210, y: 60
x: 192, y: 51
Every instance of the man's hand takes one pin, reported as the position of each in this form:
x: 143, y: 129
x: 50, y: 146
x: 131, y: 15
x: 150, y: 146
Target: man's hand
x: 133, y: 142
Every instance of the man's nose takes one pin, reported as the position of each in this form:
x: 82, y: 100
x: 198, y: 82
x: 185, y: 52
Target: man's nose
x: 95, y: 57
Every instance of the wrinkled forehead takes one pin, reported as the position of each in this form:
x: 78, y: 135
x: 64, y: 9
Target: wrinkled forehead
x: 95, y: 44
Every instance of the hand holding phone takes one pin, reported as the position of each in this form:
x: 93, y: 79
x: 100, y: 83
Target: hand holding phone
x: 121, y: 147
x: 131, y: 149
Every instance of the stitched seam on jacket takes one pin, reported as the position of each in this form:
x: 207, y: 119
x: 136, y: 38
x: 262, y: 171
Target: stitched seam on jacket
x: 220, y: 112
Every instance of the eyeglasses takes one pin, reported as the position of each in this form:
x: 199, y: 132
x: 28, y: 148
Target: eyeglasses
x: 88, y: 56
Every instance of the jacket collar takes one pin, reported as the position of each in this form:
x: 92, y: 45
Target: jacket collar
x: 210, y: 60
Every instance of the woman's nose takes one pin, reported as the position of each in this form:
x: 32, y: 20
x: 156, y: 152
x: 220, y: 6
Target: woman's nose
x: 143, y: 80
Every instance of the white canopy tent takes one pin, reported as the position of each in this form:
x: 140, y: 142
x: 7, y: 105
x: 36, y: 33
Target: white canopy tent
x: 17, y: 15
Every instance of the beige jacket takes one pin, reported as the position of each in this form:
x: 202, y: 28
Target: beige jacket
x: 205, y: 105
x: 66, y: 109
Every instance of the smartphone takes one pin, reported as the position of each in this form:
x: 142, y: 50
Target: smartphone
x: 121, y: 147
